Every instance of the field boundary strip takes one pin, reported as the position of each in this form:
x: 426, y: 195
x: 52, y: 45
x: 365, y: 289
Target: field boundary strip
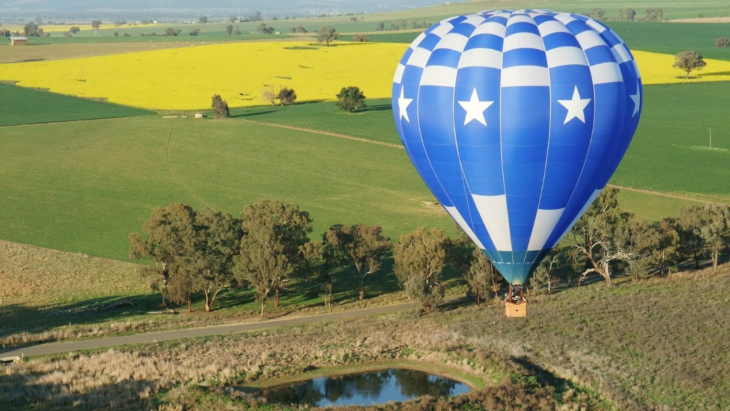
x: 667, y: 195
x: 50, y: 123
x: 398, y: 146
x: 325, y: 133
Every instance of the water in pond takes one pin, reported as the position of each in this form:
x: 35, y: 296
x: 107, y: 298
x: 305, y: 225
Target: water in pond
x: 372, y: 387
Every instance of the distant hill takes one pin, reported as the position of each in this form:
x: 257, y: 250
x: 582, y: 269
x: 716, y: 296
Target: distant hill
x: 194, y: 8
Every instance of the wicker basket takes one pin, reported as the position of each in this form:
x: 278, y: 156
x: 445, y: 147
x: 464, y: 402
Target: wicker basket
x: 515, y: 310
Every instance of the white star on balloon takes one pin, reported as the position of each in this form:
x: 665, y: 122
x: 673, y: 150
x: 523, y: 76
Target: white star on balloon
x: 475, y: 108
x: 576, y: 107
x: 637, y: 100
x: 403, y: 104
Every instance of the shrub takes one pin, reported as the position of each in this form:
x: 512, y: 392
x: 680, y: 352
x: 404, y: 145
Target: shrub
x: 419, y: 259
x: 220, y: 107
x: 327, y: 35
x: 170, y: 31
x: 351, y: 99
x: 195, y: 32
x: 268, y: 96
x: 722, y: 42
x: 286, y: 96
x: 362, y: 38
x: 688, y: 61
x: 598, y: 14
x: 264, y: 29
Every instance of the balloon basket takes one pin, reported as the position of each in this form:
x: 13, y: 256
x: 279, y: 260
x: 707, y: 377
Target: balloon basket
x: 515, y: 310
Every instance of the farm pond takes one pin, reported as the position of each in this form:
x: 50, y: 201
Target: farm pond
x: 365, y: 388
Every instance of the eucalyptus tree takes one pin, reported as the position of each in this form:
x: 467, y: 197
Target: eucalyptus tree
x: 420, y: 257
x: 169, y: 242
x: 602, y: 236
x: 363, y: 248
x: 271, y: 247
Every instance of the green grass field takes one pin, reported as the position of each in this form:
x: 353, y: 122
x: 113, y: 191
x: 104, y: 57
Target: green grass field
x: 667, y: 38
x: 670, y: 151
x: 20, y: 105
x: 375, y: 123
x: 85, y: 186
x: 673, y: 9
x: 651, y: 207
x: 216, y: 31
x: 671, y: 38
x: 160, y: 37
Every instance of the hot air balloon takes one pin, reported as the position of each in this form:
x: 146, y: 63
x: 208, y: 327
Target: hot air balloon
x: 516, y: 120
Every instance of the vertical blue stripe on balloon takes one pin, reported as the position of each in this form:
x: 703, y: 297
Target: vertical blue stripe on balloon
x: 525, y: 123
x: 479, y: 144
x: 568, y: 141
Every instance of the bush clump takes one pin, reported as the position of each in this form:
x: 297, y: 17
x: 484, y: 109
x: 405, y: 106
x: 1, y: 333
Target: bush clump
x: 351, y: 99
x: 220, y: 107
x: 722, y: 42
x: 286, y: 96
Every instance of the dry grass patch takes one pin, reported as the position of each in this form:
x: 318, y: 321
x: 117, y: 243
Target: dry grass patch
x: 198, y: 374
x: 660, y: 344
x: 34, y: 276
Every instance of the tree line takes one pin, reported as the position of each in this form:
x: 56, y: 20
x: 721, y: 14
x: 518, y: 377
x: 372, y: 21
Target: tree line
x: 350, y: 99
x: 607, y: 239
x: 271, y: 244
x: 208, y: 251
x: 651, y: 14
x: 402, y: 25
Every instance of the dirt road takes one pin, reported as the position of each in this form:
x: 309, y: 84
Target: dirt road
x: 64, y: 347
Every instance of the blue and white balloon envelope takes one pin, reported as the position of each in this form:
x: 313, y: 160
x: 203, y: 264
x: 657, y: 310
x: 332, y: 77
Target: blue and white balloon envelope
x: 516, y: 121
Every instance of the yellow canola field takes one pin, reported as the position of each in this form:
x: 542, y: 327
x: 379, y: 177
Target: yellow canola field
x: 187, y: 78
x: 656, y: 68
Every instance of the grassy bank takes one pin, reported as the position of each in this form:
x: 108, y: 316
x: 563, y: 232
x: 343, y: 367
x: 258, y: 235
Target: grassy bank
x: 655, y: 344
x: 50, y: 295
x: 208, y: 373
